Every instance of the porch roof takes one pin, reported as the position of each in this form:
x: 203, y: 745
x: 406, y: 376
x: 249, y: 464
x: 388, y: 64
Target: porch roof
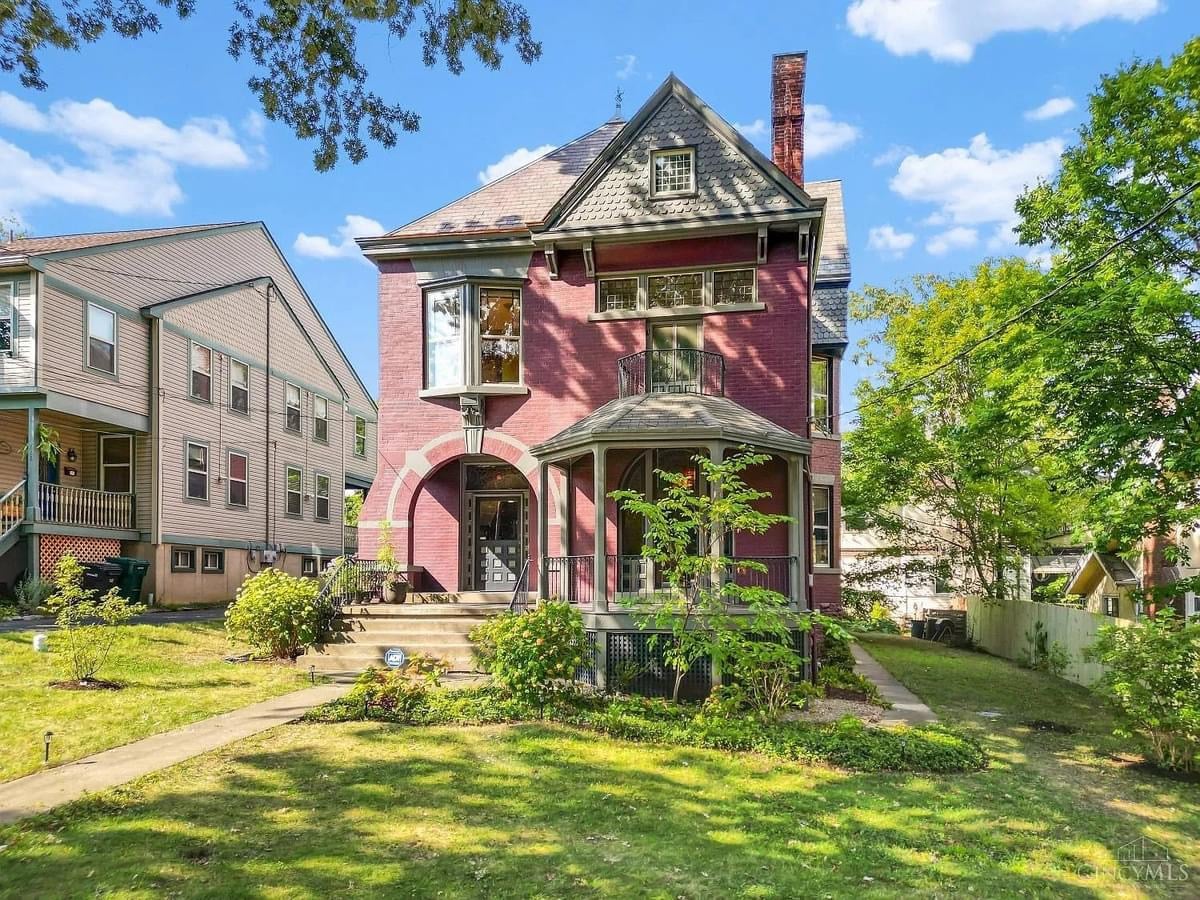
x: 656, y: 417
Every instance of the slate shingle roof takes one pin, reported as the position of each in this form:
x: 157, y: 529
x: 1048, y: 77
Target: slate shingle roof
x: 60, y: 242
x: 520, y: 198
x: 656, y: 413
x: 831, y: 293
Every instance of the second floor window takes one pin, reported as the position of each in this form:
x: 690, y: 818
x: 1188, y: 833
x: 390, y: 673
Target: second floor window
x: 201, y: 373
x: 443, y: 337
x: 360, y: 436
x: 295, y: 491
x: 321, y: 497
x: 197, y: 471
x: 500, y: 335
x: 239, y: 386
x: 822, y: 547
x: 238, y: 470
x: 684, y: 289
x: 8, y: 319
x: 101, y: 339
x: 819, y: 372
x: 292, y: 415
x: 321, y: 419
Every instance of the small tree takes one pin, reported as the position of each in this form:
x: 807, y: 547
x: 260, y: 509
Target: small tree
x: 685, y: 538
x: 87, y: 624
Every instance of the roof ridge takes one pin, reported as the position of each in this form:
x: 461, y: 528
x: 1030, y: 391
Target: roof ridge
x: 13, y: 244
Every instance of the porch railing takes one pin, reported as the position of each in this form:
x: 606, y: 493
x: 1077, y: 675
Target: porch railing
x: 63, y: 505
x: 777, y: 577
x: 633, y: 579
x: 571, y: 578
x: 12, y: 508
x: 681, y: 371
x: 632, y: 576
x: 360, y: 581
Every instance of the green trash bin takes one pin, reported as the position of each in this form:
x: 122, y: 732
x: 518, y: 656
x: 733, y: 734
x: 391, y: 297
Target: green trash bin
x: 133, y: 573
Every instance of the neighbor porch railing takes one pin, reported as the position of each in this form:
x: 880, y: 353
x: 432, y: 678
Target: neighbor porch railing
x: 571, y: 578
x: 63, y: 505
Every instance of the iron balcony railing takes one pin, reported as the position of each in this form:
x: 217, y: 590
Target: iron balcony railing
x: 571, y: 578
x: 671, y: 372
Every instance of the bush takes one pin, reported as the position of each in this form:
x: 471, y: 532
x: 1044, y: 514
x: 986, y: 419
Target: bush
x: 1042, y: 654
x: 278, y: 614
x: 767, y: 674
x: 532, y: 654
x: 835, y: 652
x: 1152, y: 682
x: 852, y: 682
x: 32, y: 593
x: 87, y: 624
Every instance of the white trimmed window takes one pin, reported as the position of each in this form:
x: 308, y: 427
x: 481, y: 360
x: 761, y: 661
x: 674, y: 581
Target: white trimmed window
x: 8, y: 319
x: 197, y: 471
x: 499, y: 335
x: 443, y: 337
x: 360, y: 436
x: 678, y: 289
x: 101, y: 339
x: 618, y: 293
x: 183, y: 559
x: 116, y: 463
x: 239, y: 386
x: 291, y: 419
x: 320, y: 419
x: 321, y: 497
x: 819, y: 372
x: 673, y: 172
x: 213, y: 561
x: 733, y: 286
x: 201, y: 373
x: 821, y: 537
x: 295, y: 491
x: 238, y: 471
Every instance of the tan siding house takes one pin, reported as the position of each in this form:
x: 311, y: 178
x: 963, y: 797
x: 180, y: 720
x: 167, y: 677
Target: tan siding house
x: 205, y: 415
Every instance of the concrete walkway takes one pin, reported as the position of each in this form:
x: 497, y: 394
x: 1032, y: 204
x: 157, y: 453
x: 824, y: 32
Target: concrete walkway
x: 163, y: 617
x: 907, y: 707
x: 54, y: 787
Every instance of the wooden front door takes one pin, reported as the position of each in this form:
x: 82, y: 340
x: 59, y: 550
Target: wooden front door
x: 499, y: 545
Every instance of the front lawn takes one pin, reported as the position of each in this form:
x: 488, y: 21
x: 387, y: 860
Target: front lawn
x: 172, y: 675
x: 370, y: 808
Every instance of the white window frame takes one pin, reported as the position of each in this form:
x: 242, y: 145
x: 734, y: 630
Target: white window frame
x: 317, y: 496
x: 480, y: 338
x: 827, y: 527
x: 190, y: 554
x: 464, y: 318
x: 205, y: 568
x: 712, y: 275
x: 707, y: 292
x: 193, y: 346
x: 288, y: 492
x: 323, y: 418
x: 229, y: 479
x: 288, y: 407
x: 360, y: 453
x: 89, y: 337
x: 104, y: 467
x: 660, y: 152
x: 232, y: 387
x: 824, y: 423
x: 310, y: 567
x: 12, y: 319
x: 188, y: 470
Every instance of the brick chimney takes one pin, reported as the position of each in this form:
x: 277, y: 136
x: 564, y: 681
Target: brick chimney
x: 787, y: 113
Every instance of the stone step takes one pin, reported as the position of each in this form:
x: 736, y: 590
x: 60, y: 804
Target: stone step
x: 420, y: 610
x: 358, y: 658
x: 398, y: 639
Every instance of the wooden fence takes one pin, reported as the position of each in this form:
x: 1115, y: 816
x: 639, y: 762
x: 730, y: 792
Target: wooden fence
x: 1001, y: 629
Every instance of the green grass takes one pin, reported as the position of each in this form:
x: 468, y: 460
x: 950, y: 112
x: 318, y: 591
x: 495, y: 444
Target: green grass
x: 172, y: 675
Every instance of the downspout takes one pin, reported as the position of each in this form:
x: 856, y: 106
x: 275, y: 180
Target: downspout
x: 267, y: 413
x: 156, y: 428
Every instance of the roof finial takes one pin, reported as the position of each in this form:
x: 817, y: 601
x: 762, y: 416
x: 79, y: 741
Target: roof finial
x: 620, y: 97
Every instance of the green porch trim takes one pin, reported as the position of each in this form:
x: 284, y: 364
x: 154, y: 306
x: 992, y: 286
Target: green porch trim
x: 119, y: 534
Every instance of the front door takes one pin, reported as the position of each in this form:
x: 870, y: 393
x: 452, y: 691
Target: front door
x: 499, y: 555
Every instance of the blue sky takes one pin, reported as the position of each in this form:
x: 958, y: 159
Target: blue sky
x: 933, y: 112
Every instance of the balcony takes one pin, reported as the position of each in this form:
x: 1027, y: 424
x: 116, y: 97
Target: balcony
x: 681, y: 371
x: 62, y: 505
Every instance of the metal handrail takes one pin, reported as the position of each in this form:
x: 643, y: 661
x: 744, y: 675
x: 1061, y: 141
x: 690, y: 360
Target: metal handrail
x: 679, y: 371
x: 520, y: 595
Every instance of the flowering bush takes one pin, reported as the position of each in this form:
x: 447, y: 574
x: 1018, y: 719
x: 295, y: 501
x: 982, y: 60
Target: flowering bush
x: 278, y: 614
x: 532, y: 654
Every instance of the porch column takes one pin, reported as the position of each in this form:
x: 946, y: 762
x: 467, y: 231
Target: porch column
x: 798, y: 571
x: 716, y: 540
x: 543, y: 528
x: 600, y: 576
x: 33, y: 542
x: 564, y: 509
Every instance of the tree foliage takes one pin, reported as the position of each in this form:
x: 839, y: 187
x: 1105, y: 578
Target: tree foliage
x: 88, y: 624
x: 309, y: 69
x: 955, y: 454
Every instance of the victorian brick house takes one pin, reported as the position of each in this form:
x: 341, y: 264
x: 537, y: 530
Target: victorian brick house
x: 654, y: 289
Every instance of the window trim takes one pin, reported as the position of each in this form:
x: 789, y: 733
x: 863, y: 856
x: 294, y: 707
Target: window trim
x: 11, y: 352
x: 234, y: 361
x: 188, y: 443
x: 229, y: 479
x: 655, y: 152
x: 192, y: 371
x: 287, y: 407
x: 87, y: 337
x: 363, y: 454
x: 316, y: 566
x: 1116, y: 605
x: 287, y: 491
x: 825, y: 424
x: 317, y: 475
x: 471, y: 340
x: 189, y: 550
x: 828, y: 527
x: 708, y: 303
x: 204, y: 567
x: 103, y: 466
x: 316, y: 418
x: 477, y: 309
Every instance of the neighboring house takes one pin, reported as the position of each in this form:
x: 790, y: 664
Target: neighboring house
x: 652, y: 290
x: 1107, y: 584
x: 146, y: 354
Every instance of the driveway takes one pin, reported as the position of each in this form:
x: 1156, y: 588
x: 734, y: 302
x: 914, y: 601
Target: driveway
x: 166, y: 617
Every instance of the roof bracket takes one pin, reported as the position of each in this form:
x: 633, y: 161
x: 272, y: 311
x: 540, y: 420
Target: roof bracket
x: 551, y: 252
x: 589, y: 260
x: 762, y: 243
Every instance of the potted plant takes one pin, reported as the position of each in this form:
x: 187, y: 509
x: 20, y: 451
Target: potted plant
x: 395, y: 588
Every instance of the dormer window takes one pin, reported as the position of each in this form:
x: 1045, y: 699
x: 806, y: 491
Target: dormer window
x: 673, y: 172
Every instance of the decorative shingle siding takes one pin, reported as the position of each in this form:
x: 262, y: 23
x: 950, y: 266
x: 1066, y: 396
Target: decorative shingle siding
x: 829, y: 315
x: 832, y: 288
x: 726, y: 181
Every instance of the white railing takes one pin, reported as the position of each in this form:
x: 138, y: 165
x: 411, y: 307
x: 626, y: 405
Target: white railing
x: 12, y: 508
x: 64, y: 505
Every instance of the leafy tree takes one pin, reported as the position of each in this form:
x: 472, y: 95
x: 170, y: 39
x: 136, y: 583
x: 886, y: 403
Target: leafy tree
x: 685, y: 538
x: 955, y: 427
x: 88, y: 625
x: 309, y: 70
x: 352, y: 508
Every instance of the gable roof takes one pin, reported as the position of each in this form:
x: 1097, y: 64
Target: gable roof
x: 519, y: 199
x: 1094, y: 567
x: 58, y: 243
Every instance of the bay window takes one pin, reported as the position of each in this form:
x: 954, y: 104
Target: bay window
x: 472, y: 336
x: 499, y: 336
x: 443, y: 337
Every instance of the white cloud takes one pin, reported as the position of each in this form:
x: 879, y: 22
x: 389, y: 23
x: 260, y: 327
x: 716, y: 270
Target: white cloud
x: 977, y: 184
x: 628, y: 63
x: 950, y: 30
x: 510, y: 162
x: 320, y: 247
x: 890, y: 243
x: 129, y: 163
x: 1041, y: 256
x: 822, y: 134
x: 756, y: 129
x: 892, y: 154
x: 956, y: 238
x: 1055, y: 106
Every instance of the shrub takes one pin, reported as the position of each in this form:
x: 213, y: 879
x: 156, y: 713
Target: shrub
x: 88, y: 625
x: 278, y: 614
x: 532, y: 654
x: 847, y: 680
x: 767, y: 672
x: 31, y: 593
x: 1042, y: 654
x: 1152, y: 681
x: 835, y: 653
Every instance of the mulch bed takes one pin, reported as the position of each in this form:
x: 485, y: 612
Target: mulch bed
x: 1142, y: 765
x: 1047, y: 725
x: 91, y: 684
